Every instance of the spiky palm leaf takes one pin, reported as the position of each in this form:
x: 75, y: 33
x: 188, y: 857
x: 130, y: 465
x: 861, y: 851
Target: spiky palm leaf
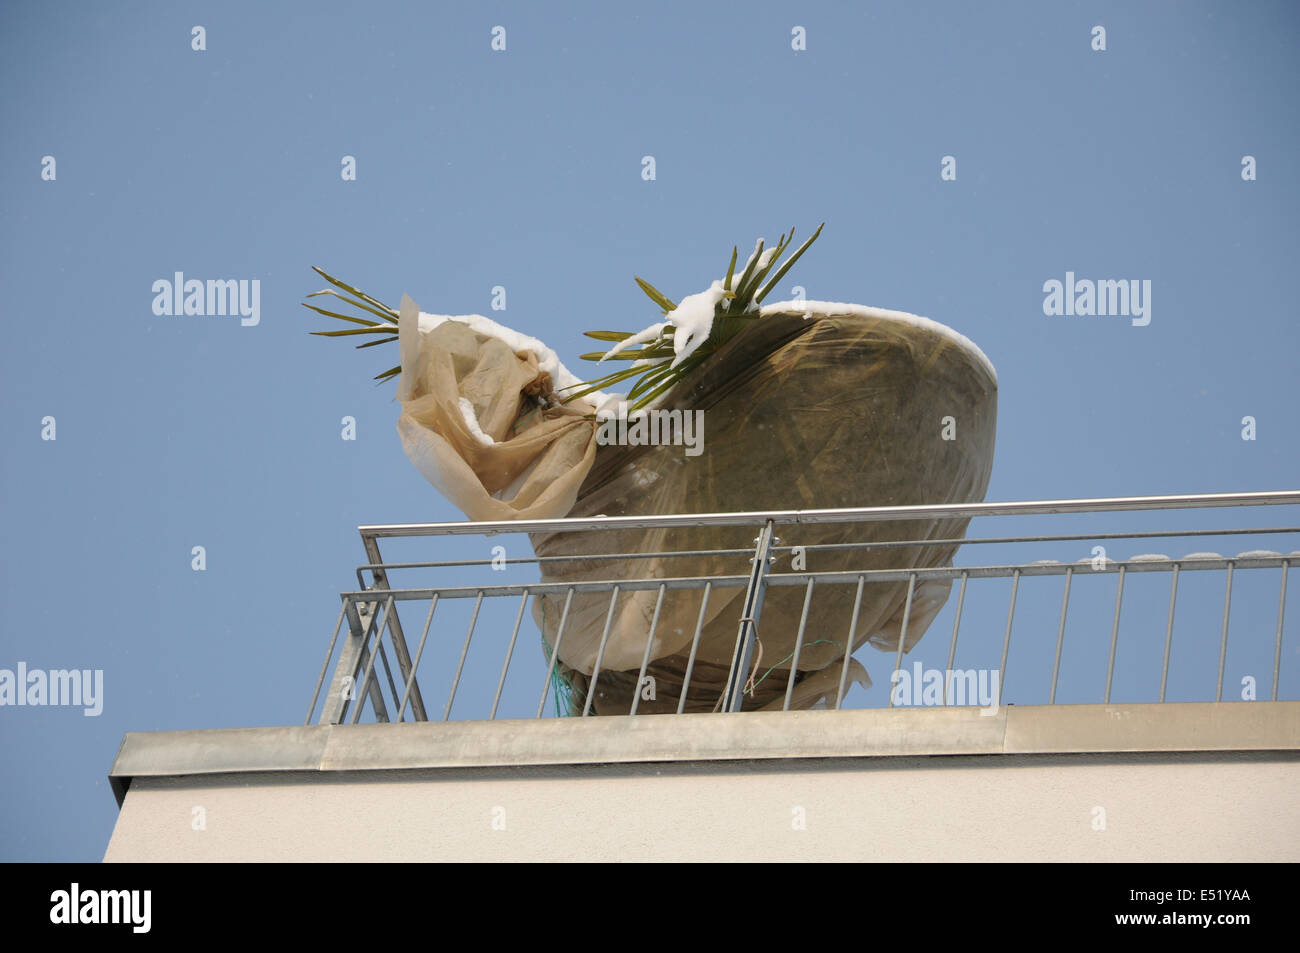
x: 385, y: 328
x: 651, y: 362
x: 740, y: 304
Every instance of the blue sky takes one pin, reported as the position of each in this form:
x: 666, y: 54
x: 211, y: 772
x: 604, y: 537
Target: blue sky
x: 522, y: 168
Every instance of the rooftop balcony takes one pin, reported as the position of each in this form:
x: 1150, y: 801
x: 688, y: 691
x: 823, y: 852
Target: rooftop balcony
x: 1085, y: 595
x: 1077, y: 696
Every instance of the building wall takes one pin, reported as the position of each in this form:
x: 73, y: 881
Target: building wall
x: 1117, y: 805
x: 1222, y: 807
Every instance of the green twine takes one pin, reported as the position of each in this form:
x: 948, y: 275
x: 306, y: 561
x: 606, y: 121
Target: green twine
x: 790, y: 656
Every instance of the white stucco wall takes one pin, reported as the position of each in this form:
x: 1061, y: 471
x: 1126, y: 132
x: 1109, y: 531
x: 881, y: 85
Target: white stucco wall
x: 1228, y: 807
x: 1087, y: 805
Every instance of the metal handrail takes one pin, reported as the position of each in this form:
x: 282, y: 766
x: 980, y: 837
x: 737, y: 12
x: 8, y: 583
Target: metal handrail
x: 372, y: 613
x: 844, y: 515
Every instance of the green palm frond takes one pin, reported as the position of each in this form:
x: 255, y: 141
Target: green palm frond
x: 655, y: 295
x: 651, y: 370
x: 385, y: 328
x: 744, y: 293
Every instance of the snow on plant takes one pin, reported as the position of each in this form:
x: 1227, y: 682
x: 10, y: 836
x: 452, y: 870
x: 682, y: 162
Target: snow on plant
x: 665, y: 352
x: 661, y: 354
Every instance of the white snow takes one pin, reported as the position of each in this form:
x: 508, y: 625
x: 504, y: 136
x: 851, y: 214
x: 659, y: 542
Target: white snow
x: 800, y: 306
x: 1258, y: 554
x: 471, y: 421
x: 693, y: 320
x: 764, y: 260
x: 1150, y: 558
x: 1202, y: 556
x: 641, y: 337
x: 694, y: 317
x: 735, y: 277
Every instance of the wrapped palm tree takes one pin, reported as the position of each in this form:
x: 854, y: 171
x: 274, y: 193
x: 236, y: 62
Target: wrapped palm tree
x: 808, y: 404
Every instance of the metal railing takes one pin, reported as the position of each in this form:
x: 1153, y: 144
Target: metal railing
x: 367, y: 681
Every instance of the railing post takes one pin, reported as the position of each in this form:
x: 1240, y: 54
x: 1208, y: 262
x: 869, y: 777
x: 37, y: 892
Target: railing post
x: 746, y: 636
x: 395, y: 629
x: 344, y: 686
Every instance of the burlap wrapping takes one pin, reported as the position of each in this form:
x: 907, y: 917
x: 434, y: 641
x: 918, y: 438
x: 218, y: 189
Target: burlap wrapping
x: 536, y: 465
x: 831, y: 410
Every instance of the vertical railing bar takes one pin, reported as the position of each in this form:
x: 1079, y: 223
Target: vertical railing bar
x: 1169, y: 631
x: 367, y: 616
x: 751, y: 610
x: 600, y: 653
x: 320, y: 682
x: 1281, y: 612
x: 902, y: 634
x: 455, y: 682
x: 695, y: 645
x: 1060, y: 634
x: 396, y: 636
x: 798, y: 647
x: 1223, y: 644
x: 731, y: 669
x: 350, y: 715
x: 523, y: 604
x: 338, y: 699
x: 1114, y: 633
x: 419, y: 653
x: 848, y: 649
x: 1006, y: 641
x: 555, y: 652
x: 363, y: 688
x: 956, y: 623
x: 649, y: 642
x: 388, y: 668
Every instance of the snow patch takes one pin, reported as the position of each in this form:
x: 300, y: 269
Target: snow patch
x: 1258, y: 554
x: 800, y: 306
x: 1202, y: 556
x: 471, y: 421
x: 735, y: 278
x: 641, y: 337
x: 1150, y: 558
x: 693, y: 320
x: 764, y: 258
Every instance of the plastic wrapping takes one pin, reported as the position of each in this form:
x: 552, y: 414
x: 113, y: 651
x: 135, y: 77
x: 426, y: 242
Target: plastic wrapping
x: 805, y: 410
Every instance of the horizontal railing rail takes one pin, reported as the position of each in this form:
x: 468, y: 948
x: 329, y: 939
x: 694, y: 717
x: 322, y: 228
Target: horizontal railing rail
x: 851, y: 515
x: 367, y: 681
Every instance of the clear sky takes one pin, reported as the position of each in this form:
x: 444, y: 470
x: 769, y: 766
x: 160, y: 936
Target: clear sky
x: 523, y: 168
